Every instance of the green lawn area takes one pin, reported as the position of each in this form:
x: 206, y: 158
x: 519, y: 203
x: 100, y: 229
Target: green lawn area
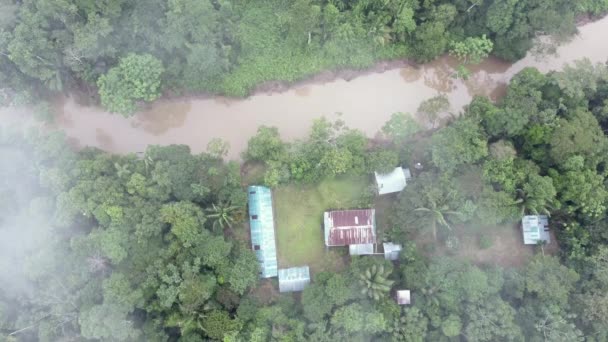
x: 299, y: 220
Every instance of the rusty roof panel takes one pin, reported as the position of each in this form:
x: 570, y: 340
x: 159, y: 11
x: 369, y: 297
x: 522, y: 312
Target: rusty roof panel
x: 348, y: 227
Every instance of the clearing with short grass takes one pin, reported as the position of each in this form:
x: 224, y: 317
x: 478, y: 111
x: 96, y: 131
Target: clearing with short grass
x: 299, y: 220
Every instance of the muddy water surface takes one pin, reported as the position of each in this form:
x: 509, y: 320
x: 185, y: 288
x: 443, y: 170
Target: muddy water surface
x: 365, y: 103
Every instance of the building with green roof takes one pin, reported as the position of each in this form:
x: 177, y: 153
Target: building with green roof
x: 261, y: 224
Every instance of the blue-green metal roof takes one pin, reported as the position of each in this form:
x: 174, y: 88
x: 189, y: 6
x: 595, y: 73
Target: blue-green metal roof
x: 261, y: 223
x: 293, y: 279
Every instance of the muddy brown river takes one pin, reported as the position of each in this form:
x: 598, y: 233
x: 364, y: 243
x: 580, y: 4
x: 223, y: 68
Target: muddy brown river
x: 364, y: 103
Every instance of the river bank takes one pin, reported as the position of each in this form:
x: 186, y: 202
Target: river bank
x: 364, y: 101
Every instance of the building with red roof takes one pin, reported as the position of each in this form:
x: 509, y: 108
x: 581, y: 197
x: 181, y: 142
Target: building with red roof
x: 350, y: 227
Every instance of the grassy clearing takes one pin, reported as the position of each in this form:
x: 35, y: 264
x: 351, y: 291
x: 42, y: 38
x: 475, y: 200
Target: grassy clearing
x: 299, y: 217
x: 505, y: 246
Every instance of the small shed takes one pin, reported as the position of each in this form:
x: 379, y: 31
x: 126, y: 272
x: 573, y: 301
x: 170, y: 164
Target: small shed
x: 391, y: 250
x: 393, y: 181
x: 403, y: 297
x: 361, y: 249
x: 535, y: 228
x: 350, y: 227
x: 293, y: 279
x: 261, y: 224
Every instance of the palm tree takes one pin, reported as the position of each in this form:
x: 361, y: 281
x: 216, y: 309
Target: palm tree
x: 437, y: 215
x: 122, y: 170
x: 375, y: 283
x: 223, y: 215
x: 529, y: 203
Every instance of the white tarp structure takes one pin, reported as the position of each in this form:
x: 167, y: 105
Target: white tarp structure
x: 535, y: 228
x: 393, y: 181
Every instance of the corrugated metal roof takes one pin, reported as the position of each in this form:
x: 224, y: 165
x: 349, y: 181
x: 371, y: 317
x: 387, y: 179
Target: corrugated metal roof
x: 293, y: 279
x: 403, y: 297
x: 391, y: 250
x: 348, y: 227
x: 361, y: 249
x: 393, y: 181
x: 535, y: 228
x: 261, y: 222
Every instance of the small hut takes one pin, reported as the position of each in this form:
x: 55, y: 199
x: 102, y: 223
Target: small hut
x: 403, y: 297
x: 293, y: 279
x: 535, y: 229
x: 391, y: 250
x: 393, y: 181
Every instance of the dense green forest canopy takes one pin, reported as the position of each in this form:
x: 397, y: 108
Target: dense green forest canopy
x: 105, y: 247
x: 126, y: 51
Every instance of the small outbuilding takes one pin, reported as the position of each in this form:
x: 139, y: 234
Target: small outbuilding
x: 535, y: 228
x: 361, y: 249
x: 261, y: 224
x: 391, y: 250
x: 393, y: 181
x: 403, y: 297
x: 293, y: 279
x: 350, y: 227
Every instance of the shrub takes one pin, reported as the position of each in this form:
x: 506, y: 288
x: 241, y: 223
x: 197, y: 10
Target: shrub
x: 485, y: 241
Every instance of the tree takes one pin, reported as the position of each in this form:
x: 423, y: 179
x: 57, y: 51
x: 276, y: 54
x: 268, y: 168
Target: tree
x: 135, y: 78
x: 316, y: 304
x: 107, y: 322
x: 538, y: 195
x: 427, y: 202
x: 451, y: 326
x: 581, y: 190
x: 218, y: 324
x: 266, y: 145
x: 521, y: 105
x: 222, y: 214
x: 410, y: 327
x: 502, y: 150
x: 374, y: 282
x: 470, y: 51
x: 218, y: 148
x: 460, y: 143
x: 400, y: 127
x: 433, y: 107
x: 339, y: 289
x: 499, y: 16
x: 382, y: 160
x: 555, y: 327
x: 495, y: 207
x: 186, y: 221
x: 491, y: 320
x: 578, y: 135
x: 353, y: 318
x: 92, y: 42
x: 243, y: 272
x: 32, y: 50
x: 548, y: 280
x: 580, y: 80
x: 430, y: 40
x: 337, y: 161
